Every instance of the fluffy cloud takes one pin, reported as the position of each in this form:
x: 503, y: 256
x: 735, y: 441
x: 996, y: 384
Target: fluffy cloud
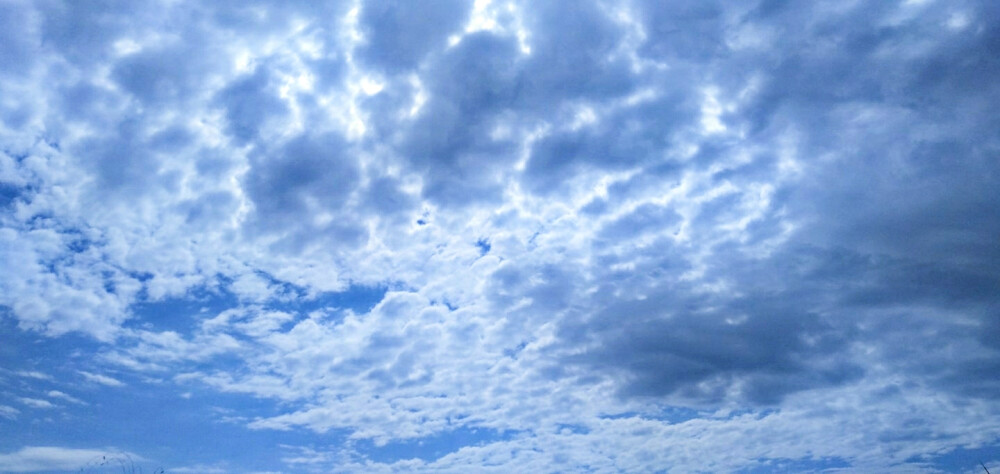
x: 101, y: 379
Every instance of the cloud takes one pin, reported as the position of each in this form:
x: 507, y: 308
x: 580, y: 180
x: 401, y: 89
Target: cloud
x: 452, y: 140
x: 200, y: 468
x: 9, y: 412
x: 692, y: 235
x: 34, y: 374
x: 102, y: 379
x: 65, y: 396
x: 52, y: 303
x: 51, y: 458
x: 396, y: 37
x: 250, y: 102
x: 36, y: 403
x: 17, y: 57
x: 574, y: 53
x: 307, y: 176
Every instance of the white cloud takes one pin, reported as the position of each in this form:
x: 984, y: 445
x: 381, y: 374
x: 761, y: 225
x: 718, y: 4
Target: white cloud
x: 69, y: 298
x: 102, y: 379
x: 9, y: 412
x: 51, y: 458
x: 36, y: 402
x: 34, y: 374
x: 65, y: 396
x: 201, y: 468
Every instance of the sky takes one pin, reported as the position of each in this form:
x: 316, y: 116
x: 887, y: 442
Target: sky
x: 499, y: 236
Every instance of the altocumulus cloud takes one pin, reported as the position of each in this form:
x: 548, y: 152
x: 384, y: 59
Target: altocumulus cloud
x: 500, y: 235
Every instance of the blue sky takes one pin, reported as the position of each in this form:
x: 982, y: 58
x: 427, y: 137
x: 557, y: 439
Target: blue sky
x: 500, y: 236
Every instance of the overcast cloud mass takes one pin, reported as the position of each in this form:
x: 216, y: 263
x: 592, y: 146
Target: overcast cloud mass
x: 500, y: 236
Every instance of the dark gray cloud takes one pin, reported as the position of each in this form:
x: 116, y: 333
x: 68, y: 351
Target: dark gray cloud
x: 452, y: 142
x: 573, y: 54
x: 897, y: 223
x: 705, y: 358
x: 293, y: 184
x: 20, y: 41
x: 249, y: 102
x: 85, y: 32
x: 169, y: 74
x: 644, y: 219
x: 209, y: 209
x: 385, y: 198
x: 628, y: 138
x: 793, y: 328
x: 124, y: 161
x: 87, y: 102
x: 683, y: 30
x: 399, y: 35
x: 306, y: 166
x: 909, y: 198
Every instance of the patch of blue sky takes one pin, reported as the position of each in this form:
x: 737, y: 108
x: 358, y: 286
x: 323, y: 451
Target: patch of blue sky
x: 513, y: 352
x: 79, y: 243
x: 483, y: 244
x: 29, y: 351
x: 163, y: 425
x: 566, y: 428
x: 964, y: 458
x: 170, y: 424
x: 358, y: 298
x: 182, y: 314
x: 431, y: 448
x: 9, y: 193
x: 770, y: 465
x: 451, y: 307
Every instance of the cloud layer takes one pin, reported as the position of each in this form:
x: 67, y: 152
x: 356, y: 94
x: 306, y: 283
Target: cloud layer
x: 599, y: 235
